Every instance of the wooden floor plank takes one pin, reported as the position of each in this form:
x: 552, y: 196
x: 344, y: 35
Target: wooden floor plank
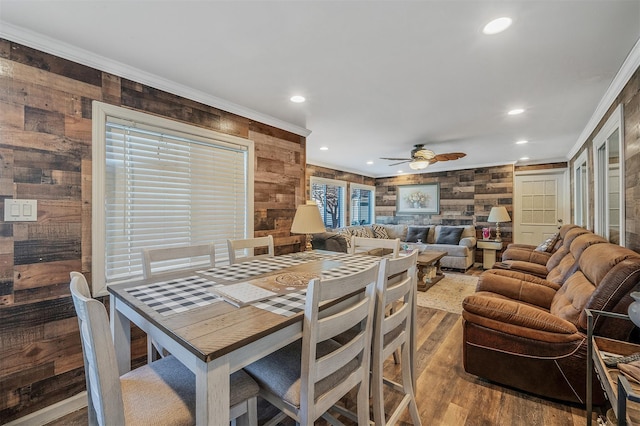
x: 446, y: 394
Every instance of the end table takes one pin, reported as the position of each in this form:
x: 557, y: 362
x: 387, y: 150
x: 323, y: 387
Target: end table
x: 489, y: 248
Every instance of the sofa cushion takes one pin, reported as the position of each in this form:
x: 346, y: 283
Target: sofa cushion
x: 396, y: 231
x: 451, y: 249
x: 417, y: 233
x: 571, y: 299
x: 449, y: 235
x: 379, y: 231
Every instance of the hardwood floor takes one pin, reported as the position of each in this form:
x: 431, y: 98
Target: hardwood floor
x: 446, y: 394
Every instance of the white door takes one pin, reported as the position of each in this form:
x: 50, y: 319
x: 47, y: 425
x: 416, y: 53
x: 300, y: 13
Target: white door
x: 539, y: 204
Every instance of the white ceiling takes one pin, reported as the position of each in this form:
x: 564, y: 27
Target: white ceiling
x: 379, y: 76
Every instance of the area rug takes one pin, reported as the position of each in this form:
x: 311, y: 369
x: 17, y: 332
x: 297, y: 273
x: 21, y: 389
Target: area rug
x: 448, y: 293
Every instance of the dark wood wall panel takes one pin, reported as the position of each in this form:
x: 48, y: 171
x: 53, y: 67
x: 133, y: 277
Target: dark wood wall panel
x: 45, y: 154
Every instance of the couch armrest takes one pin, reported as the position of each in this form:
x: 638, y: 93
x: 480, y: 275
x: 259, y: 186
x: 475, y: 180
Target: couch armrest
x: 525, y: 255
x: 330, y: 241
x: 518, y: 286
x: 517, y: 318
x: 468, y: 242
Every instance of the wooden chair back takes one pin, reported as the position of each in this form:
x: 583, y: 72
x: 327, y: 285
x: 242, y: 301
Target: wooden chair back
x: 318, y: 327
x: 248, y: 245
x: 201, y: 255
x: 103, y: 380
x: 364, y: 244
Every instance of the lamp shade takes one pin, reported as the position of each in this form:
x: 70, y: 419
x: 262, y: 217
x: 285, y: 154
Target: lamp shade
x: 499, y: 214
x: 307, y: 219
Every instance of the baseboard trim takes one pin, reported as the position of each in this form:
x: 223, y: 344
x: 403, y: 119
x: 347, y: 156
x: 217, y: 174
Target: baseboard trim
x: 52, y: 412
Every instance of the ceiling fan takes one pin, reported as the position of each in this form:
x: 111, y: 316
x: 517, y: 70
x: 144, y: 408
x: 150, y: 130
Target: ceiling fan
x: 421, y: 157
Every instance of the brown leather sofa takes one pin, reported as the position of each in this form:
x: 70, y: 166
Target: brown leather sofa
x: 529, y: 333
x: 526, y: 258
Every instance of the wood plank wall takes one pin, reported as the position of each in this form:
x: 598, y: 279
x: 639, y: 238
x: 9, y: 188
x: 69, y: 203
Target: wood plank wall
x: 466, y: 196
x: 629, y: 97
x: 45, y: 154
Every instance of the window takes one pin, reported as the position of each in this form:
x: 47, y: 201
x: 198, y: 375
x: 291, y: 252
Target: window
x: 158, y: 183
x: 330, y: 196
x: 363, y: 202
x: 581, y: 190
x: 608, y: 179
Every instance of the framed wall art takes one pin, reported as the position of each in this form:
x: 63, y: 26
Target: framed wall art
x: 418, y: 199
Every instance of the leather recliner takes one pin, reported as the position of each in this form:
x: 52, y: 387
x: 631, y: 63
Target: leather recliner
x: 530, y: 333
x: 531, y: 261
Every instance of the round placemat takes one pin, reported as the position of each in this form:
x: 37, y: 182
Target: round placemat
x: 296, y: 279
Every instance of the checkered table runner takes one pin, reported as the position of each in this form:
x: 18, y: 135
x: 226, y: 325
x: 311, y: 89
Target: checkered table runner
x: 288, y: 304
x: 177, y: 295
x: 182, y: 294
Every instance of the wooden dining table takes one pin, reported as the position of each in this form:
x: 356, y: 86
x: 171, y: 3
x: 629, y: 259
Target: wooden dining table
x: 200, y: 318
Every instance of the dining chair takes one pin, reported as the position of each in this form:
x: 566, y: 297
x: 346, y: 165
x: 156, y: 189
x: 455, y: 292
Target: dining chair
x: 375, y: 246
x: 393, y: 330
x: 393, y: 334
x: 204, y: 255
x: 200, y: 255
x: 162, y: 392
x: 307, y: 377
x: 250, y: 244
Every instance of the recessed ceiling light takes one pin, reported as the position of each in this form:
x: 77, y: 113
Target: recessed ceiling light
x: 516, y: 111
x: 522, y: 142
x: 297, y: 99
x: 524, y: 158
x: 369, y: 162
x: 324, y: 148
x: 400, y: 171
x: 497, y: 25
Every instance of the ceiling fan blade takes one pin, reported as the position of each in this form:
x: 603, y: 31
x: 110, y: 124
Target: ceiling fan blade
x: 448, y: 156
x: 401, y: 162
x: 395, y: 159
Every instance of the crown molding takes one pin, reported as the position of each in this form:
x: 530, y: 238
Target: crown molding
x: 630, y: 65
x: 64, y: 50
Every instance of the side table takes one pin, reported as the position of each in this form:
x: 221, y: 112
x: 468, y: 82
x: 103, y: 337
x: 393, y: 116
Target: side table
x: 624, y: 397
x: 489, y: 248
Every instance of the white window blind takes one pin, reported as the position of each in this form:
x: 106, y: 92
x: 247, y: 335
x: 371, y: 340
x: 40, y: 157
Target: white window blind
x: 164, y: 187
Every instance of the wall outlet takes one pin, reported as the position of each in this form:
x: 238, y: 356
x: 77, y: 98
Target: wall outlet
x: 20, y: 210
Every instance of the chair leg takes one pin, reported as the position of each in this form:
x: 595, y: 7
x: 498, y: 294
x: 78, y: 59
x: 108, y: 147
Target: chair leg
x: 363, y: 403
x: 407, y: 384
x: 250, y: 417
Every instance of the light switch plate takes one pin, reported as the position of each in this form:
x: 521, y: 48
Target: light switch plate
x: 20, y: 210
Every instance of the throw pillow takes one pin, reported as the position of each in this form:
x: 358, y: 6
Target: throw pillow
x: 449, y: 235
x: 379, y: 231
x: 346, y: 234
x: 547, y: 245
x: 415, y: 233
x: 361, y: 231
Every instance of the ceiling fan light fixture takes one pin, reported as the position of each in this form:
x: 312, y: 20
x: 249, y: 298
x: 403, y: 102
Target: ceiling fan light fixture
x: 419, y: 164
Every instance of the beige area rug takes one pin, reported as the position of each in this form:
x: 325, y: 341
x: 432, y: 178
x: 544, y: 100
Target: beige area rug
x: 448, y: 293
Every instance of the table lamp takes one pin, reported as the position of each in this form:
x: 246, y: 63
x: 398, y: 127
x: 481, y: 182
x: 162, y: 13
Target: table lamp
x: 308, y: 221
x: 497, y: 215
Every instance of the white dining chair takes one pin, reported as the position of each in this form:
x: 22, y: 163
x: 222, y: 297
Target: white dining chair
x: 160, y: 393
x: 165, y: 259
x: 307, y: 377
x: 393, y: 331
x: 158, y: 261
x: 249, y: 245
x: 366, y: 245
